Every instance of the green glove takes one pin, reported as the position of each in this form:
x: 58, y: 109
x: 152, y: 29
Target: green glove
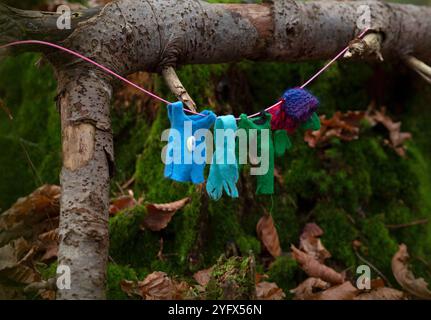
x: 313, y: 123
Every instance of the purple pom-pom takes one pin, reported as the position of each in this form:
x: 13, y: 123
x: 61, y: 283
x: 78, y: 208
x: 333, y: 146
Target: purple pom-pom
x: 299, y: 104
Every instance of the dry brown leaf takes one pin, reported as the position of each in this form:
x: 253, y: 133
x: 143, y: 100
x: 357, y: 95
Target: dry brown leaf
x: 156, y: 286
x: 396, y: 137
x: 32, y: 215
x: 382, y: 293
x: 344, y: 291
x: 203, y: 276
x: 159, y: 215
x: 269, y: 291
x: 267, y: 233
x: 316, y: 269
x: 344, y: 126
x: 405, y: 277
x: 310, y: 242
x: 129, y: 287
x: 121, y: 203
x: 48, y: 294
x: 377, y: 283
x: 16, y: 262
x: 48, y: 244
x: 306, y: 290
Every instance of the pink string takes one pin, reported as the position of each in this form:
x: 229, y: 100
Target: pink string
x: 314, y: 76
x: 107, y: 70
x: 76, y: 54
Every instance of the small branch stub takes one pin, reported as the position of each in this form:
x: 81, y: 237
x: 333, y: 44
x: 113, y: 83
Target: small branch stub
x: 420, y: 67
x: 368, y: 46
x: 177, y: 88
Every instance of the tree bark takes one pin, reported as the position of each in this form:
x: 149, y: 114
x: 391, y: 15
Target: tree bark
x: 84, y: 103
x: 135, y: 35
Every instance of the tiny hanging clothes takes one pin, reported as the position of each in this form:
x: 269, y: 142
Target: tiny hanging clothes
x: 261, y: 144
x: 298, y: 109
x: 186, y: 150
x: 224, y: 167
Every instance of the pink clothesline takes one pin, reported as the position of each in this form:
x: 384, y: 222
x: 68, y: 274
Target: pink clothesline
x: 109, y: 71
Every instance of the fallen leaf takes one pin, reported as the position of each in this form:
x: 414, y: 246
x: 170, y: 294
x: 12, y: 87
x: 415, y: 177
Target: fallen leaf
x: 310, y: 242
x: 377, y: 283
x: 203, y: 276
x: 382, y: 293
x: 31, y: 215
x: 159, y: 215
x: 121, y: 203
x: 48, y: 294
x: 128, y: 287
x: 344, y: 126
x: 16, y: 262
x: 396, y: 137
x: 344, y: 291
x: 157, y: 286
x: 48, y: 244
x: 405, y: 277
x: 267, y: 233
x: 315, y: 269
x: 269, y: 291
x: 306, y: 290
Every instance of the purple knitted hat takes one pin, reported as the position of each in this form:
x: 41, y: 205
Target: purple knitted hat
x: 299, y: 104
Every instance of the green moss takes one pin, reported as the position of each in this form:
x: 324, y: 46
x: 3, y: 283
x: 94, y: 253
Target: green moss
x: 30, y: 143
x: 128, y: 244
x: 231, y: 278
x: 283, y: 271
x: 379, y: 245
x: 339, y: 232
x: 47, y: 271
x: 248, y: 243
x: 115, y: 275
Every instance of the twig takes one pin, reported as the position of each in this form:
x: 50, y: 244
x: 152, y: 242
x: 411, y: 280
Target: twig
x: 6, y: 110
x: 36, y: 174
x: 128, y: 183
x: 120, y: 188
x: 420, y: 67
x: 177, y: 88
x: 369, y: 45
x: 160, y: 255
x: 408, y: 224
x: 374, y: 268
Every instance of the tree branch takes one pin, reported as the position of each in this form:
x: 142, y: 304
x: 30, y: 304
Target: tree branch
x: 420, y: 67
x: 177, y: 88
x: 17, y: 24
x: 132, y: 35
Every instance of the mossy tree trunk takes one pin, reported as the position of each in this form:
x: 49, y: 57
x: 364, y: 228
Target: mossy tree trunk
x: 132, y: 35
